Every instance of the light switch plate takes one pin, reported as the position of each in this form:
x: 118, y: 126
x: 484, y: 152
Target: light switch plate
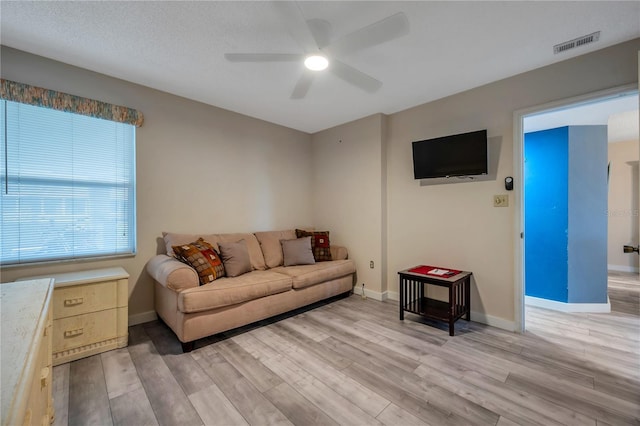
x: 501, y: 200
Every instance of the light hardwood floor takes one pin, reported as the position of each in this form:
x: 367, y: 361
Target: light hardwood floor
x: 352, y: 362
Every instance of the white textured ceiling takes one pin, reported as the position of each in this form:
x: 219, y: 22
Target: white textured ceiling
x: 178, y: 47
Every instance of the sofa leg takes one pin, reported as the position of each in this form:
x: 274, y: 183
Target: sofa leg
x: 187, y: 347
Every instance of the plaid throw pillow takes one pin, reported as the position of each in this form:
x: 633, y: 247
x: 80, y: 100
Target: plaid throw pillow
x: 319, y: 243
x: 202, y: 257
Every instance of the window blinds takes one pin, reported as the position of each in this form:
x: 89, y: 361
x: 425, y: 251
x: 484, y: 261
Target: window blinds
x: 68, y: 185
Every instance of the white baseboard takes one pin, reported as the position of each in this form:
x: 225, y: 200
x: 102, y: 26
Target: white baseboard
x: 501, y: 323
x: 142, y: 317
x: 375, y: 295
x: 568, y: 307
x: 475, y: 316
x: 623, y: 268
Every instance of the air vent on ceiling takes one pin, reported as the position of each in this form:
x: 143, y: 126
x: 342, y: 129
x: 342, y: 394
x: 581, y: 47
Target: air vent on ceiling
x: 576, y: 42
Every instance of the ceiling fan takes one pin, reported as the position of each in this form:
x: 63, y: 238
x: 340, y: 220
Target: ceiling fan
x: 320, y: 53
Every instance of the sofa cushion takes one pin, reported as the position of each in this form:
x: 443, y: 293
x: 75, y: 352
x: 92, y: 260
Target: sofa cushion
x: 339, y: 252
x: 255, y: 254
x: 231, y: 291
x: 271, y: 248
x: 308, y: 275
x: 319, y: 243
x: 297, y: 252
x: 202, y: 257
x: 235, y: 257
x: 174, y: 239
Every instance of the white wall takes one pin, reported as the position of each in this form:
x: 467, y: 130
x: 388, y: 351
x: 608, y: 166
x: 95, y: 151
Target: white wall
x: 623, y: 205
x: 199, y: 168
x: 452, y: 225
x: 348, y: 194
x: 264, y: 176
x: 456, y: 225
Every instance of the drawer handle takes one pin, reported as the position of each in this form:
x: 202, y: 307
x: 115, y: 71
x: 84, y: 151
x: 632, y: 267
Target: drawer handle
x: 27, y: 417
x: 73, y: 333
x: 44, y: 376
x: 73, y: 302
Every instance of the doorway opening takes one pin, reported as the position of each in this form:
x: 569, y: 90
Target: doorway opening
x: 616, y: 109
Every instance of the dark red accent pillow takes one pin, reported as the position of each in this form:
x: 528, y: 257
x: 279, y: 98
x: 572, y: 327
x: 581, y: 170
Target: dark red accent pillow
x: 202, y: 257
x: 319, y: 243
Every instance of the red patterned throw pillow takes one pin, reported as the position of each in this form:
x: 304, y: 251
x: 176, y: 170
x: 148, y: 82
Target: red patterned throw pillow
x: 202, y: 257
x: 319, y: 243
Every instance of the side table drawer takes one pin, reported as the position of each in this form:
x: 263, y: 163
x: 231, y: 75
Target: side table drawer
x: 81, y: 299
x: 83, y: 330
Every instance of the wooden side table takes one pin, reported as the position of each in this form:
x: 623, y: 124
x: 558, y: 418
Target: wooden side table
x: 413, y: 299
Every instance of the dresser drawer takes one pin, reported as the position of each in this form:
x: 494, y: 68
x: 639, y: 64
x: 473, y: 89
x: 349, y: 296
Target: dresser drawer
x: 39, y: 404
x: 81, y: 299
x: 90, y: 313
x: 26, y: 352
x: 85, y: 329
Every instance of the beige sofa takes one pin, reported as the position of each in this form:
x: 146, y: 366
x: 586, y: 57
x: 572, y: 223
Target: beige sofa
x: 195, y: 311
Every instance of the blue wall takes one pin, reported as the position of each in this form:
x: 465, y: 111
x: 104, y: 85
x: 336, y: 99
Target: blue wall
x: 565, y: 173
x: 546, y: 208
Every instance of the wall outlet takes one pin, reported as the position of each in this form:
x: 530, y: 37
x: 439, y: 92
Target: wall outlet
x: 371, y: 264
x: 501, y: 200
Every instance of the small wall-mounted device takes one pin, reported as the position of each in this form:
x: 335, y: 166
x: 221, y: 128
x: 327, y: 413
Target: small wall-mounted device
x: 508, y: 183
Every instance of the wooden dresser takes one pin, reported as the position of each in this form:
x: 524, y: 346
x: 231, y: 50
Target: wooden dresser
x: 90, y: 313
x: 26, y: 370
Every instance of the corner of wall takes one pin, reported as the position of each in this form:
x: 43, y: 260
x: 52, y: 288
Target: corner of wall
x: 384, y: 204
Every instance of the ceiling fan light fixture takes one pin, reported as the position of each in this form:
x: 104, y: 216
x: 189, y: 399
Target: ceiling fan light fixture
x: 316, y: 62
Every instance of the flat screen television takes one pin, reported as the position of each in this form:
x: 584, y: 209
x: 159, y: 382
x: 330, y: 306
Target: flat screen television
x: 465, y: 154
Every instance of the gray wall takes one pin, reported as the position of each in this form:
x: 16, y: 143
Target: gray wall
x: 587, y: 231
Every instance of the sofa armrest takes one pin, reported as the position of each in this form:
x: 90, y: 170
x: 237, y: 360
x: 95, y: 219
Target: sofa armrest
x: 339, y: 252
x: 172, y: 273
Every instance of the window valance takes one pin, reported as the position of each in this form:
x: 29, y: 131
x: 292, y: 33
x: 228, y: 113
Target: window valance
x: 38, y: 96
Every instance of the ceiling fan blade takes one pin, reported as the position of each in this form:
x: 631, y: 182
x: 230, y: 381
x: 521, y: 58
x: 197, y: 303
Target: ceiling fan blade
x: 379, y: 32
x: 321, y: 30
x: 355, y: 77
x: 263, y: 57
x: 302, y: 86
x: 296, y: 24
